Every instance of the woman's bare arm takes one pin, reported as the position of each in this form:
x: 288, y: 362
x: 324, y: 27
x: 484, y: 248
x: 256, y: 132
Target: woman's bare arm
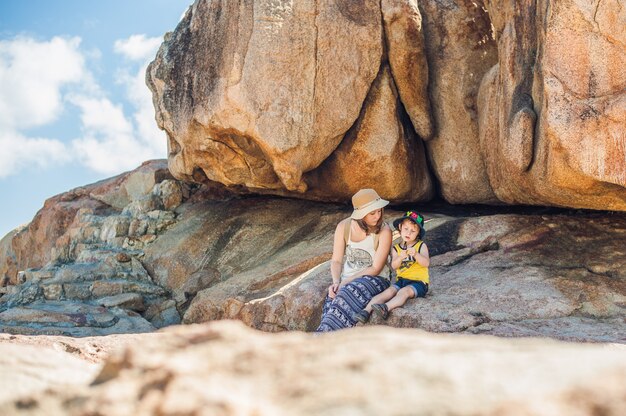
x: 339, y: 248
x: 336, y: 262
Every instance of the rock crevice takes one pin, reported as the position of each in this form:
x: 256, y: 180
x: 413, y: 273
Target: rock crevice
x: 477, y: 82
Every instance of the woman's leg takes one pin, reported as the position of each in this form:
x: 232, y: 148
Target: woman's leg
x: 350, y: 300
x: 327, y: 303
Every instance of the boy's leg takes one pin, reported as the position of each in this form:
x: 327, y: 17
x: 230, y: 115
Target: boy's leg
x: 404, y: 294
x: 382, y: 297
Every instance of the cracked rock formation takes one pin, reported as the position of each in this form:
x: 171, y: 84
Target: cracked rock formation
x: 264, y: 92
x: 476, y: 101
x: 264, y: 260
x: 553, y: 110
x: 76, y: 269
x: 460, y: 50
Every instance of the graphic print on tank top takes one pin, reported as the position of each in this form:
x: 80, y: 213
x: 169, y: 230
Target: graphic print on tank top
x: 407, y: 263
x: 357, y: 258
x: 410, y: 260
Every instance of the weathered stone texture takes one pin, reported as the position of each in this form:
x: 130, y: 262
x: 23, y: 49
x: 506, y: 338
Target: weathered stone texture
x: 256, y: 93
x: 517, y: 102
x: 227, y: 369
x: 82, y: 251
x: 406, y: 49
x: 553, y: 111
x: 378, y: 146
x: 460, y: 50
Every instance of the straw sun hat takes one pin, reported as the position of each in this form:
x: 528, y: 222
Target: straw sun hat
x: 366, y: 201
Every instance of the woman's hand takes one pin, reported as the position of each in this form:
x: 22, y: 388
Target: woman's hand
x: 332, y: 290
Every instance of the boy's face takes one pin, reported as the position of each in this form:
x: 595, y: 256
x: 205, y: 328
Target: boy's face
x: 409, y: 231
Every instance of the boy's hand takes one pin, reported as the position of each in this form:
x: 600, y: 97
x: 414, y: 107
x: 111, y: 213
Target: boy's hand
x: 403, y: 254
x: 411, y: 252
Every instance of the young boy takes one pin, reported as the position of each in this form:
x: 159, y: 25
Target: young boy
x: 411, y: 260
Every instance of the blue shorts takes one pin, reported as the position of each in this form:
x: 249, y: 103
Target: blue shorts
x: 420, y: 288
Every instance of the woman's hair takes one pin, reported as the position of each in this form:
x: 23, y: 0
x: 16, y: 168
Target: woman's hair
x: 375, y: 229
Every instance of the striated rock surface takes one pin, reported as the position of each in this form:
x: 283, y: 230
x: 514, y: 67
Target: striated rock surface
x: 262, y: 93
x: 553, y: 110
x: 278, y: 97
x: 460, y: 50
x: 256, y: 93
x: 225, y: 368
x: 240, y: 251
x: 76, y: 268
x: 82, y: 216
x: 264, y: 261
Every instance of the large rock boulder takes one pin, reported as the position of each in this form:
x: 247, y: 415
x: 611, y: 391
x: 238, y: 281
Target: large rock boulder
x: 460, y: 50
x: 261, y: 93
x: 76, y: 268
x: 257, y: 93
x: 379, y: 146
x: 553, y: 110
x: 227, y: 369
x: 315, y: 100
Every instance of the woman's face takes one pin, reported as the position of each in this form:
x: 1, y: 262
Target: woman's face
x: 372, y: 218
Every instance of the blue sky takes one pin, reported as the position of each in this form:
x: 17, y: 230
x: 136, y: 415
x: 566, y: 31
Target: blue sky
x: 74, y: 107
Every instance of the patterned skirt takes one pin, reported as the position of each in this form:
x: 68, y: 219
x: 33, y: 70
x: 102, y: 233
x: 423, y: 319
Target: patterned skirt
x: 339, y: 313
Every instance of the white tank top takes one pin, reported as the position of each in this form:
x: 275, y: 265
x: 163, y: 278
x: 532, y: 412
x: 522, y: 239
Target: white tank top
x: 359, y: 256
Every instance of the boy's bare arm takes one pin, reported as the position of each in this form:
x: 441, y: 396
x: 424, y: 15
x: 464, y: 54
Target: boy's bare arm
x: 423, y: 257
x: 396, y: 258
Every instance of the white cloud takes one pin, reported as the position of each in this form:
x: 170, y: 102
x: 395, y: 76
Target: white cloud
x: 109, y: 143
x: 141, y: 98
x: 138, y: 47
x: 31, y: 77
x: 19, y: 152
x: 112, y: 141
x: 40, y: 80
x: 100, y: 114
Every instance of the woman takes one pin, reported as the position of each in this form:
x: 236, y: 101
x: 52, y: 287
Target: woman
x: 365, y: 239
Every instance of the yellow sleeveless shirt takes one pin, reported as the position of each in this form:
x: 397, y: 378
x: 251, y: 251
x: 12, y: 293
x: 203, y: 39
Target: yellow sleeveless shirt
x: 410, y: 269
